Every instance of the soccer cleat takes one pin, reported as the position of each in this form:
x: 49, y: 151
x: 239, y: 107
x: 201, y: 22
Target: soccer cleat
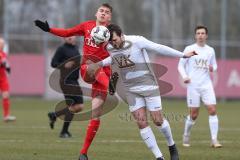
x: 52, y: 119
x: 215, y: 144
x: 186, y: 140
x: 9, y: 118
x: 173, y: 152
x: 65, y: 135
x: 113, y: 83
x: 83, y: 157
x: 160, y: 158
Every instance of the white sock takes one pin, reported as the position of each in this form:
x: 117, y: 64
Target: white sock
x: 188, y: 125
x: 213, y: 124
x: 166, y: 131
x: 150, y: 140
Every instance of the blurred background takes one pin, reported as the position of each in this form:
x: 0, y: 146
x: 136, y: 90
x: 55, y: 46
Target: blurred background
x: 169, y: 22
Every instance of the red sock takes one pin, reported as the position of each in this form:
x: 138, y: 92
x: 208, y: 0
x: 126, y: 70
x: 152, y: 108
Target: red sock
x: 102, y: 78
x: 6, y: 107
x: 91, y: 132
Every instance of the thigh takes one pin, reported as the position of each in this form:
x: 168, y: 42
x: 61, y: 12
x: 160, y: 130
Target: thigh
x: 153, y: 103
x: 208, y: 96
x: 193, y: 97
x: 157, y: 117
x: 101, y: 90
x: 76, y: 97
x: 4, y: 85
x: 135, y: 101
x: 140, y: 116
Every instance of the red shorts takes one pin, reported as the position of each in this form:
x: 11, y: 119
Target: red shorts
x: 4, y: 85
x: 99, y: 89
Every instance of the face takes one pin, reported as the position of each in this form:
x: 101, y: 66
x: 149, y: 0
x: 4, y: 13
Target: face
x: 117, y: 41
x: 70, y: 40
x: 103, y: 15
x: 201, y: 36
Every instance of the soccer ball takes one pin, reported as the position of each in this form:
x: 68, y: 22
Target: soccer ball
x: 100, y: 34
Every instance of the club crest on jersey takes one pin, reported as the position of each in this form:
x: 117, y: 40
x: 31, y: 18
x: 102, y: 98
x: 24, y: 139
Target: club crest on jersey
x: 123, y: 61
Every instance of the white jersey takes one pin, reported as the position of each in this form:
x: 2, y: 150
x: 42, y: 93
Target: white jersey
x: 131, y: 62
x: 197, y: 67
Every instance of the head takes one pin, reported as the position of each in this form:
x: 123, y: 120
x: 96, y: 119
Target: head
x: 104, y: 14
x: 116, y: 36
x: 70, y: 40
x: 1, y: 44
x: 201, y: 35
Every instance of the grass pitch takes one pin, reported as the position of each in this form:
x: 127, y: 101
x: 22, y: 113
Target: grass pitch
x: 30, y: 138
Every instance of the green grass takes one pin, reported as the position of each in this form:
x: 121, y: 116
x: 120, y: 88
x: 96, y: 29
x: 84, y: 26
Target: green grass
x: 29, y: 138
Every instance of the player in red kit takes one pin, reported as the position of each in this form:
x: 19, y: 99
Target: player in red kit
x: 4, y: 85
x: 92, y: 52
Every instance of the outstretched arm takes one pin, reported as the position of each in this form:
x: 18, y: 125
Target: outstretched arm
x: 163, y: 50
x: 76, y: 30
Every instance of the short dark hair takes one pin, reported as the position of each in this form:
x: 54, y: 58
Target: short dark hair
x: 107, y: 5
x: 114, y: 28
x: 201, y: 27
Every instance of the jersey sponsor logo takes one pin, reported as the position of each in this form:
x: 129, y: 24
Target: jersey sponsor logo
x: 123, y: 61
x: 201, y: 63
x: 90, y: 42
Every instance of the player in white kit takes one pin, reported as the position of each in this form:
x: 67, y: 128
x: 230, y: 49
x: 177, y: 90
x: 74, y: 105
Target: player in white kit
x: 129, y: 56
x: 195, y: 72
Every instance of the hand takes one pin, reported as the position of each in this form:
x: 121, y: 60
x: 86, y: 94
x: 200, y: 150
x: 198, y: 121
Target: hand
x: 69, y: 64
x: 189, y: 54
x: 210, y: 68
x: 43, y: 25
x: 187, y: 80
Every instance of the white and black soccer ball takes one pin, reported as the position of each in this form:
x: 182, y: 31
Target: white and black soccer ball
x: 100, y: 34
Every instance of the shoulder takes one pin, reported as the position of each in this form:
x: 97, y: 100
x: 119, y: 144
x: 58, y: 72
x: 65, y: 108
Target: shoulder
x: 90, y: 23
x: 210, y: 48
x: 192, y: 46
x: 135, y: 39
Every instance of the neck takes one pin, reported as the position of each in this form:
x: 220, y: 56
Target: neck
x: 101, y: 23
x: 201, y: 44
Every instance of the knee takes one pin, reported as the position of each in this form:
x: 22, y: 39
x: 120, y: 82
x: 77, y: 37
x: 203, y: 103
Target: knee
x: 158, y: 122
x: 142, y: 124
x: 194, y: 116
x: 212, y: 111
x: 5, y: 95
x: 76, y: 108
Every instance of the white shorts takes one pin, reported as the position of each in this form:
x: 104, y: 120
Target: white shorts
x: 136, y: 101
x: 206, y: 93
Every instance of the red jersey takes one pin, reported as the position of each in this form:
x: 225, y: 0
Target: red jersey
x: 91, y: 50
x: 3, y: 57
